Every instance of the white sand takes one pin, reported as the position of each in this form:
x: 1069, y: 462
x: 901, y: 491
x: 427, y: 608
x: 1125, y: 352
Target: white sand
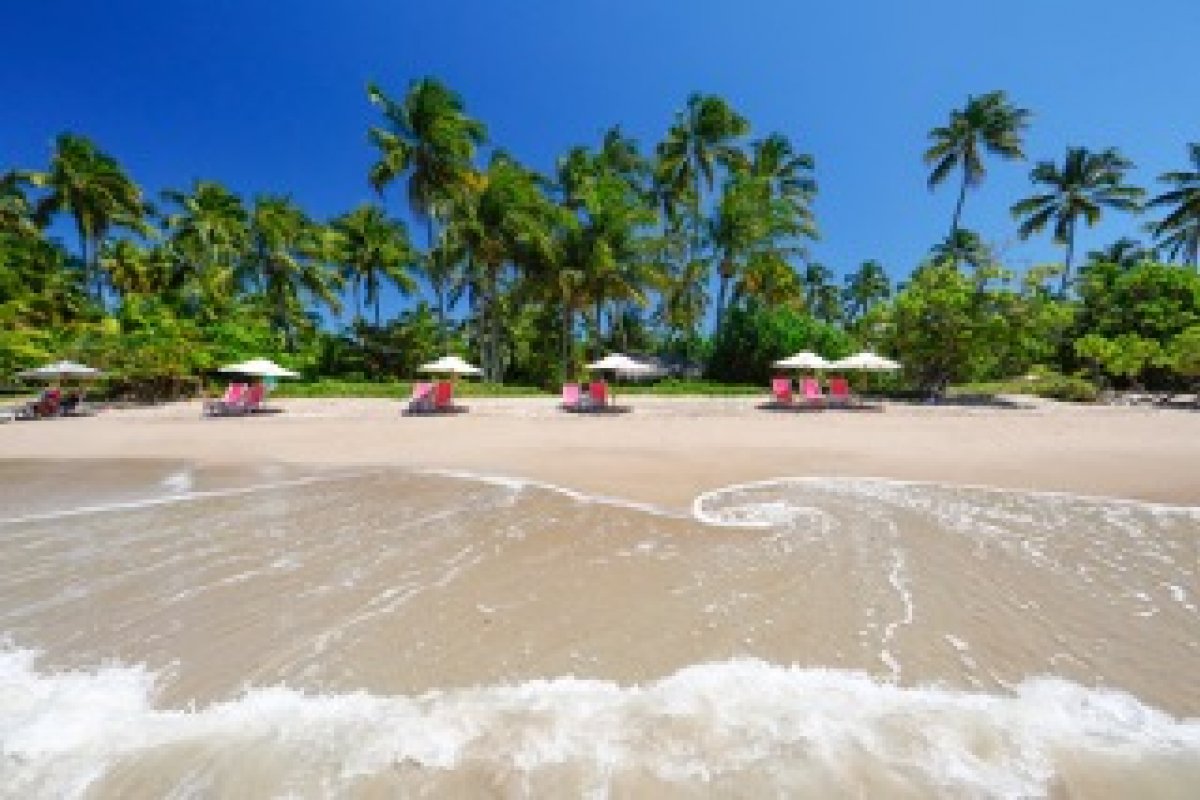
x: 669, y: 450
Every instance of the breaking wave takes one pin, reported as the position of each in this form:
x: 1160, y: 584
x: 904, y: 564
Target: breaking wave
x: 748, y: 724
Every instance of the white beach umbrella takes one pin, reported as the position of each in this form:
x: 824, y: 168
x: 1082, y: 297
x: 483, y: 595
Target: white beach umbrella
x: 61, y: 369
x: 867, y: 361
x: 618, y: 363
x: 450, y: 365
x: 260, y: 368
x: 802, y: 360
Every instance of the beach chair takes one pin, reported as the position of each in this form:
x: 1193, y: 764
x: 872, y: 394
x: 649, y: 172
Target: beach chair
x: 422, y: 397
x: 252, y: 400
x: 443, y: 396
x: 230, y: 402
x: 781, y: 391
x: 47, y: 405
x: 598, y: 393
x: 840, y: 394
x: 570, y: 396
x: 810, y: 393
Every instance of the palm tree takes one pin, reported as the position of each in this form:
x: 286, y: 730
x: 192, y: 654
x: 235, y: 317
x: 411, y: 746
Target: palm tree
x: 16, y: 213
x: 1087, y: 183
x: 987, y: 124
x: 866, y: 287
x: 770, y: 278
x: 965, y: 246
x: 503, y: 219
x: 703, y: 137
x: 91, y: 186
x: 815, y: 278
x: 209, y: 233
x: 789, y: 174
x: 1179, y: 231
x: 287, y: 264
x: 762, y: 216
x: 370, y: 248
x: 136, y: 270
x: 1125, y: 253
x: 430, y: 138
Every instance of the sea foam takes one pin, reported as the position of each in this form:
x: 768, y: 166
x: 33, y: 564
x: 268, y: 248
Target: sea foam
x: 747, y: 724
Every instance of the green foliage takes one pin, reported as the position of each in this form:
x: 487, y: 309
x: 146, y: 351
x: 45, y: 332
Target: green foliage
x: 940, y: 326
x: 1130, y: 317
x: 754, y: 336
x: 1040, y: 383
x: 1184, y: 352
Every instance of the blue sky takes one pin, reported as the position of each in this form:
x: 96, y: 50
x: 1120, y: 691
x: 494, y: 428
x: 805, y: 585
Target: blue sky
x: 269, y: 96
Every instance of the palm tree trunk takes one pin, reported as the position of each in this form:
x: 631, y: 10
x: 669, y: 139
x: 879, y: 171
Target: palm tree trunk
x: 958, y: 207
x: 722, y: 292
x: 599, y: 326
x: 567, y: 314
x: 373, y: 292
x: 494, y: 324
x: 439, y: 282
x: 1066, y: 276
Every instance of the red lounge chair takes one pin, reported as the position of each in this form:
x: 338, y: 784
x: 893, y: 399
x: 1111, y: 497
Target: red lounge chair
x: 839, y: 392
x: 598, y: 392
x: 781, y: 390
x: 810, y: 390
x: 422, y: 397
x: 570, y: 395
x: 443, y: 397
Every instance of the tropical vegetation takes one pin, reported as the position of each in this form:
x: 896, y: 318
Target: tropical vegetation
x: 694, y: 249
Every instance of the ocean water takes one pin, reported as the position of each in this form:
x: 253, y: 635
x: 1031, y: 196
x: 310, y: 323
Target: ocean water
x: 172, y: 630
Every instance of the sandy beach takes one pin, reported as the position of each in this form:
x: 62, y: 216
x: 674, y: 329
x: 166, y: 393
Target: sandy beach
x: 699, y: 597
x: 667, y: 450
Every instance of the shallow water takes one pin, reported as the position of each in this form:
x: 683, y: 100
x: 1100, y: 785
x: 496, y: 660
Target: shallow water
x: 173, y: 630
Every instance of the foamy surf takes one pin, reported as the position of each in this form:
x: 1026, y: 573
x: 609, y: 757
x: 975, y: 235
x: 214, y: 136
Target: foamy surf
x: 747, y: 725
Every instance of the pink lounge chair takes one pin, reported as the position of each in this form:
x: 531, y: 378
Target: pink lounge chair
x: 570, y: 395
x: 422, y: 397
x: 810, y: 392
x: 252, y: 400
x: 598, y: 392
x: 230, y: 402
x: 781, y: 391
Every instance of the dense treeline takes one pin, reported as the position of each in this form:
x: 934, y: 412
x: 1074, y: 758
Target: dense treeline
x: 694, y: 250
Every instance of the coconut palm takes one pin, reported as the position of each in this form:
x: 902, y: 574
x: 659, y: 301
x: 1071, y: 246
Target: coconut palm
x: 16, y: 212
x: 371, y: 249
x: 1125, y: 253
x: 762, y: 216
x: 789, y: 174
x: 504, y: 219
x: 208, y: 232
x: 865, y: 287
x: 986, y: 124
x: 429, y: 138
x: 1179, y: 231
x: 91, y: 186
x: 136, y: 270
x: 1085, y: 184
x: 703, y: 138
x: 287, y: 264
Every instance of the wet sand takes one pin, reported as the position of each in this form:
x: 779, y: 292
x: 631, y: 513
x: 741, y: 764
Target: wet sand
x: 667, y: 451
x: 333, y: 597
